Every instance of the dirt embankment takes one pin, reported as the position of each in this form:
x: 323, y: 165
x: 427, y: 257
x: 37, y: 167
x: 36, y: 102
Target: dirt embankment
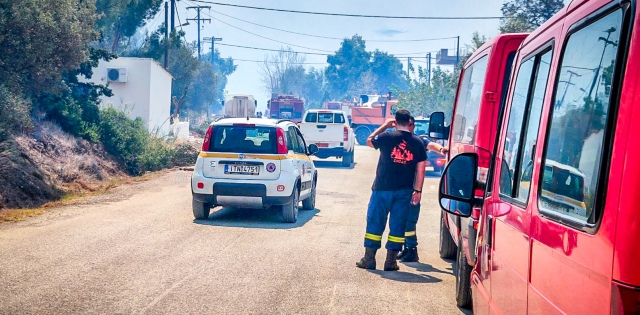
x: 49, y: 164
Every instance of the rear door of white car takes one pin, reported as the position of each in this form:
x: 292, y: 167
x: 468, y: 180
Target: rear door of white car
x: 242, y: 151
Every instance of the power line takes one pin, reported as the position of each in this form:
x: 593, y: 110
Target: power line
x: 276, y: 50
x: 301, y: 63
x: 357, y: 15
x: 335, y: 38
x: 264, y: 37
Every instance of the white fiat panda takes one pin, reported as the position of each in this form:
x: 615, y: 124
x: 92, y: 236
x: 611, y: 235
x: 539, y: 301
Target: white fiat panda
x: 254, y: 163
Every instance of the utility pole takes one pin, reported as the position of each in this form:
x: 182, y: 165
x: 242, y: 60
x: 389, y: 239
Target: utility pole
x: 198, y: 19
x: 166, y: 35
x: 212, y: 39
x: 173, y: 15
x: 429, y: 68
x: 458, y: 52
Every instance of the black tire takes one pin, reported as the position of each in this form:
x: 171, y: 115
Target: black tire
x: 463, y: 280
x: 310, y: 202
x: 362, y: 133
x: 200, y: 210
x: 290, y: 210
x: 446, y: 246
x: 346, y: 160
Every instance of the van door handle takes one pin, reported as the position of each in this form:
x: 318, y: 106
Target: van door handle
x: 489, y: 231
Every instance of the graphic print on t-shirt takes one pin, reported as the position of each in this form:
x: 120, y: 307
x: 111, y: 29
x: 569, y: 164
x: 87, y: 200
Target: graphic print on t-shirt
x: 400, y: 154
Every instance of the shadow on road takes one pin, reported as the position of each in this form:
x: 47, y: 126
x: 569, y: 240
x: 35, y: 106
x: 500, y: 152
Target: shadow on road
x: 432, y: 174
x: 406, y: 276
x: 255, y: 218
x: 418, y: 266
x: 332, y: 164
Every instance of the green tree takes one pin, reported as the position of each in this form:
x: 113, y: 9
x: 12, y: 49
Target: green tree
x: 120, y: 19
x: 313, y: 88
x: 523, y: 16
x: 41, y: 39
x: 422, y: 98
x: 387, y: 70
x: 347, y: 65
x: 223, y: 68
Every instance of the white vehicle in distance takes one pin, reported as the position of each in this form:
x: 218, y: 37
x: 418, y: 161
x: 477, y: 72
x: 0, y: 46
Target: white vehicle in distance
x: 330, y: 131
x: 254, y: 163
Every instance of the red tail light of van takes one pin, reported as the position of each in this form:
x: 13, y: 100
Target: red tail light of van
x: 282, y: 143
x: 207, y: 139
x: 346, y: 134
x: 625, y: 300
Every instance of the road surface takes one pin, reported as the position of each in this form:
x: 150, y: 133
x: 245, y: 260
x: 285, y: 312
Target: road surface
x: 139, y: 251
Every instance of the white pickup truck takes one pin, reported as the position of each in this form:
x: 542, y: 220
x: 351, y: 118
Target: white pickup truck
x: 330, y: 131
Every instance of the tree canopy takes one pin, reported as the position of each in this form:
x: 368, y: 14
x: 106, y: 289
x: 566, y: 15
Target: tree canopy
x: 523, y: 16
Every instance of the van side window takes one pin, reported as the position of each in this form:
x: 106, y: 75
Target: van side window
x: 577, y: 127
x: 468, y: 106
x: 339, y: 119
x: 522, y: 130
x: 514, y: 128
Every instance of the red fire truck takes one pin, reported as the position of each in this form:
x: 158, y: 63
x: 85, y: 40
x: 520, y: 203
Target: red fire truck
x: 371, y: 112
x: 286, y: 107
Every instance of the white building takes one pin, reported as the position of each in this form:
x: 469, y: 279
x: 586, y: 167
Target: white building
x: 141, y: 88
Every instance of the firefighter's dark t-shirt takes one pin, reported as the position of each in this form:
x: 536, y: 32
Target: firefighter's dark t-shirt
x: 400, y: 152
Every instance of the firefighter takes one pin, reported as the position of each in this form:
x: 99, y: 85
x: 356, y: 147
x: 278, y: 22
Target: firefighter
x: 397, y: 186
x: 410, y: 251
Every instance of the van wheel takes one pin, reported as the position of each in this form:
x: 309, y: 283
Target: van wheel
x: 290, y: 210
x: 362, y: 133
x: 310, y: 202
x: 200, y: 210
x: 463, y: 280
x: 446, y: 246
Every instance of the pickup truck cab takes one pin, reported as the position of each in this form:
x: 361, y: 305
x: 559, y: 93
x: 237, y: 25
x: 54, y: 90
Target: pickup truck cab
x: 559, y: 231
x: 254, y: 163
x: 330, y: 131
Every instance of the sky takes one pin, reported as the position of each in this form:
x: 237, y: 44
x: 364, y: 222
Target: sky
x: 246, y: 79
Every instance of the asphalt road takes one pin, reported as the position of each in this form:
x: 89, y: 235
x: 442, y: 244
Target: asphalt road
x: 141, y: 252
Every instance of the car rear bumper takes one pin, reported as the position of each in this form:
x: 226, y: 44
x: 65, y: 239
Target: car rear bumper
x: 327, y: 152
x: 241, y: 195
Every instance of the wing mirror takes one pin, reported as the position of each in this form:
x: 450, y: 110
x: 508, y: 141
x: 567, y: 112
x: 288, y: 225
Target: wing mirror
x: 437, y: 129
x: 458, y: 185
x: 313, y: 149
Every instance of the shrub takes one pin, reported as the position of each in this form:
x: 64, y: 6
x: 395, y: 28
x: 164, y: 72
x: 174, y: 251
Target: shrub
x: 15, y: 113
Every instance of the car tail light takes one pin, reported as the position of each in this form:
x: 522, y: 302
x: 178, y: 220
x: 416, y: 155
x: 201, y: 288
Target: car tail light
x: 245, y: 125
x: 200, y: 185
x: 207, y: 139
x: 282, y: 143
x: 484, y: 160
x: 625, y: 299
x: 346, y: 134
x: 441, y: 161
x: 280, y: 188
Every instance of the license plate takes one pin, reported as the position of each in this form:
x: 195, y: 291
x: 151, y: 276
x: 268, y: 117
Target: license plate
x: 323, y: 145
x: 242, y: 169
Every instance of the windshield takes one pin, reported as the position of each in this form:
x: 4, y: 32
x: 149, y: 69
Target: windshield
x: 243, y: 139
x: 422, y: 127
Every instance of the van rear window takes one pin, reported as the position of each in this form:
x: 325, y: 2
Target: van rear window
x: 469, y: 98
x: 243, y: 139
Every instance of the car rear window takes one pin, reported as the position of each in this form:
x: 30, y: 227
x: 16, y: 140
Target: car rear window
x: 311, y: 117
x: 243, y: 139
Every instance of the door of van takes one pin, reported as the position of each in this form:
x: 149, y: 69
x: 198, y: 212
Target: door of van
x: 574, y: 218
x: 503, y: 268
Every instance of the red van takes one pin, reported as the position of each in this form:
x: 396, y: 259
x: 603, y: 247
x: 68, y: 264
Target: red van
x: 481, y: 93
x: 558, y: 234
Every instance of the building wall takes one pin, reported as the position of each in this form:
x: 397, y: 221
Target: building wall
x: 160, y: 99
x: 146, y: 94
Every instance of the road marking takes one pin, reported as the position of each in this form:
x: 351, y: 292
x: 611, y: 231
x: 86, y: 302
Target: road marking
x: 333, y: 296
x: 163, y: 295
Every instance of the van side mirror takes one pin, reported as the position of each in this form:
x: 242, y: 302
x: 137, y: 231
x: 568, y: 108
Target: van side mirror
x: 437, y: 129
x: 313, y: 149
x: 458, y: 185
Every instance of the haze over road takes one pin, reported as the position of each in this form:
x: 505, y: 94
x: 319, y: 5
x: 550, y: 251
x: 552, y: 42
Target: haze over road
x: 144, y: 254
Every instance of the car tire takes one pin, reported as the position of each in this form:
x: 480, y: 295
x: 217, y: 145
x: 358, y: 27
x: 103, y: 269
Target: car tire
x: 290, y: 210
x: 201, y: 210
x: 346, y: 162
x: 446, y: 246
x: 463, y: 280
x: 310, y: 202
